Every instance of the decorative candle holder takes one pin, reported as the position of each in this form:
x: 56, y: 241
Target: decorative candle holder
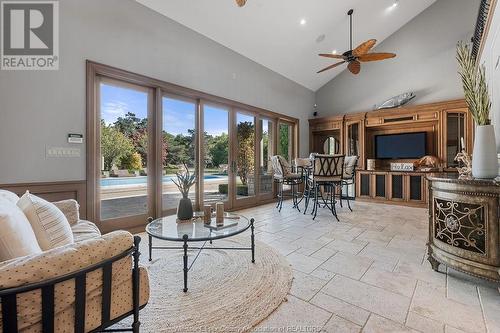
x: 207, y: 214
x: 219, y: 214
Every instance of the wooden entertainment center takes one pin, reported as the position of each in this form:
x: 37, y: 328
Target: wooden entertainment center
x: 353, y: 134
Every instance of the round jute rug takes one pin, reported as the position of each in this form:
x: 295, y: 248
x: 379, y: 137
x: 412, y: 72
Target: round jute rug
x: 227, y: 293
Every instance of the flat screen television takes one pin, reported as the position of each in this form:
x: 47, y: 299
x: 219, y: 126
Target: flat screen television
x: 400, y: 146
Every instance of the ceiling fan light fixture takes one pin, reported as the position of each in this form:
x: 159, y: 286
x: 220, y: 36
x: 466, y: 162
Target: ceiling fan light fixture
x: 354, y: 56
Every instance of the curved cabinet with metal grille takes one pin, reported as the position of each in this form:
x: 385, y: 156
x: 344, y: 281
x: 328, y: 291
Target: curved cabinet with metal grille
x: 464, y: 225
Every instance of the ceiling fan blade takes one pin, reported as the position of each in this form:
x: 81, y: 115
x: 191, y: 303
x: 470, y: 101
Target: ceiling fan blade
x: 375, y: 56
x: 364, y: 47
x: 354, y: 67
x: 241, y: 3
x: 331, y: 55
x: 331, y: 66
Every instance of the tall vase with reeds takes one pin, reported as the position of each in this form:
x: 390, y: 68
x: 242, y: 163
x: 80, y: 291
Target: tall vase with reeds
x: 184, y: 180
x: 484, y: 156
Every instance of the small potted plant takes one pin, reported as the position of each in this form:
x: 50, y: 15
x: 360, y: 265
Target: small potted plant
x: 484, y: 156
x: 184, y: 182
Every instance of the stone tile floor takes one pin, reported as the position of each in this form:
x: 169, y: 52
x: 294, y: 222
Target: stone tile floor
x: 369, y: 273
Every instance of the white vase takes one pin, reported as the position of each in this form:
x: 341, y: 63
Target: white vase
x: 484, y: 155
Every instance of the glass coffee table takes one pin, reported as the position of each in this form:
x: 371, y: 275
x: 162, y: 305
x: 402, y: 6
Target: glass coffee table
x: 167, y: 228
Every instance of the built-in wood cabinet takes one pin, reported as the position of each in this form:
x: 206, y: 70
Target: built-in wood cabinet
x: 445, y: 124
x: 392, y: 187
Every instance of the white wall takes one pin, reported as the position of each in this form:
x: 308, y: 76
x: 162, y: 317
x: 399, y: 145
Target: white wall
x: 39, y: 108
x: 425, y: 62
x: 490, y: 58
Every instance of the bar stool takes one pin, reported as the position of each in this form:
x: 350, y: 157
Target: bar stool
x: 327, y: 172
x: 304, y: 165
x: 349, y: 176
x: 283, y: 175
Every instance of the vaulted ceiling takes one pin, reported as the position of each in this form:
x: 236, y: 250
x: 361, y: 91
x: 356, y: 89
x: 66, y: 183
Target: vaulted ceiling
x: 287, y: 35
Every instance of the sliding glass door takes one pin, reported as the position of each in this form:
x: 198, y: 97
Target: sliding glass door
x: 286, y: 140
x: 216, y: 154
x: 266, y: 140
x: 178, y: 148
x: 237, y: 149
x: 124, y: 184
x: 244, y: 163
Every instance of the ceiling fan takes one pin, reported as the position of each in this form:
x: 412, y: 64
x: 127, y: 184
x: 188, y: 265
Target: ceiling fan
x: 241, y: 3
x: 354, y: 57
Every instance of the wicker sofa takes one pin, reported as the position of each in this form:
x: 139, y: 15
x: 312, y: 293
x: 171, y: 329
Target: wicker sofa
x: 86, y: 286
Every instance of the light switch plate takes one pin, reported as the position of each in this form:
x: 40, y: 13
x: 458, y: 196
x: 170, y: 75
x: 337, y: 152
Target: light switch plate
x: 64, y: 152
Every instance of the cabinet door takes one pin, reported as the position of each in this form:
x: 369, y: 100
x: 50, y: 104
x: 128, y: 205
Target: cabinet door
x: 415, y: 185
x: 456, y: 124
x: 380, y: 188
x: 364, y: 181
x: 455, y: 130
x: 354, y: 140
x: 396, y: 187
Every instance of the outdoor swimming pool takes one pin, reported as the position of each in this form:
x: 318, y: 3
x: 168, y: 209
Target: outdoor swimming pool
x: 139, y: 180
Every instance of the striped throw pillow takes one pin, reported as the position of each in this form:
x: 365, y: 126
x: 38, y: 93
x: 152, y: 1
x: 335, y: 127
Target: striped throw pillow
x: 51, y: 227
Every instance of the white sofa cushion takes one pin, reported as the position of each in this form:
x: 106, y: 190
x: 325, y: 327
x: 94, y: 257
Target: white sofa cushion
x: 12, y: 197
x: 51, y: 227
x: 17, y: 238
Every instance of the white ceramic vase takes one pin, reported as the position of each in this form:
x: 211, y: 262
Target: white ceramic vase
x: 484, y: 155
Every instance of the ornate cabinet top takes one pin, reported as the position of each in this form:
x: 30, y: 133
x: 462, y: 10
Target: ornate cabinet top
x: 454, y: 179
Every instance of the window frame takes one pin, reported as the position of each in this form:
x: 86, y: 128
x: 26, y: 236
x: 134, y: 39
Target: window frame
x: 95, y: 72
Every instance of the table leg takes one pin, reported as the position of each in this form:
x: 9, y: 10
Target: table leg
x: 252, y: 238
x: 150, y: 247
x: 185, y: 246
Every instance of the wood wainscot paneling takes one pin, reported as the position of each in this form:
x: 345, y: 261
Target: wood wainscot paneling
x: 54, y: 191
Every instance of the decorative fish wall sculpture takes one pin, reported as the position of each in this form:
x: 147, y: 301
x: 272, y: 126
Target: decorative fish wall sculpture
x: 396, y: 101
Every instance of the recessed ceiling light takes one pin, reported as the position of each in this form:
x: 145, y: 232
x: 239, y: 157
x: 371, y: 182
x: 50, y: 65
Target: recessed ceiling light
x: 334, y: 52
x: 394, y: 4
x: 303, y: 22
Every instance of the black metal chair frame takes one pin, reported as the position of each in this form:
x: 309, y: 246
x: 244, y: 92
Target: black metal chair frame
x: 294, y: 183
x: 329, y: 186
x: 8, y: 297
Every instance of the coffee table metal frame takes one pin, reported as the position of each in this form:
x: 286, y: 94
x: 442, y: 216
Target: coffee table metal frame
x: 185, y: 239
